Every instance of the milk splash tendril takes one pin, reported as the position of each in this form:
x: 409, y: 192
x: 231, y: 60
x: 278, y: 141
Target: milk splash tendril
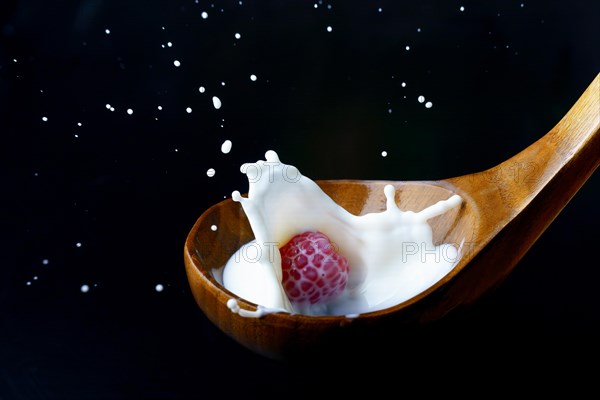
x: 391, y: 254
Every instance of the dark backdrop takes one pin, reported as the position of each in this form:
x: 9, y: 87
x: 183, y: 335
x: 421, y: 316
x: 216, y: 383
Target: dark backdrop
x: 102, y: 198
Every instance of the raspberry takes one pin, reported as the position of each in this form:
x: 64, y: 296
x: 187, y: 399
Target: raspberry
x: 312, y: 271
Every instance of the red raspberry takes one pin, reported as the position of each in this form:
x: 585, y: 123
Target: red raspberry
x: 312, y: 271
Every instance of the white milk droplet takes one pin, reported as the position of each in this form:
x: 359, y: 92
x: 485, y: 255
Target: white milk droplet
x: 428, y: 104
x: 421, y: 99
x: 216, y: 102
x: 204, y: 15
x: 176, y: 63
x: 403, y: 84
x: 210, y: 172
x: 108, y: 106
x: 78, y: 244
x: 84, y: 288
x: 129, y: 111
x: 45, y: 119
x: 407, y: 48
x: 253, y: 78
x: 237, y: 36
x: 79, y: 124
x: 45, y: 261
x: 201, y: 89
x: 226, y: 146
x: 159, y: 108
x: 159, y: 288
x: 384, y: 153
x: 169, y: 44
x: 462, y: 8
x: 188, y: 110
x: 112, y: 109
x: 329, y: 29
x: 213, y: 228
x: 107, y: 31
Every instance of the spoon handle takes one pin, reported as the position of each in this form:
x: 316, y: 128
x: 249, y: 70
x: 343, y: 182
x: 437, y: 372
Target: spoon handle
x: 553, y: 168
x: 517, y: 200
x: 560, y: 163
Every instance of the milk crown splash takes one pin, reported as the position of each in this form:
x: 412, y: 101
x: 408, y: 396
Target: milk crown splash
x: 391, y: 254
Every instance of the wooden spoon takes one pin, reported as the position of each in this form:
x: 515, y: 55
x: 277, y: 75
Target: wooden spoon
x: 505, y: 210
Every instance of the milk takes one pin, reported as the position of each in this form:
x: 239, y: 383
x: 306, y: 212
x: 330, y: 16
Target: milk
x: 391, y: 254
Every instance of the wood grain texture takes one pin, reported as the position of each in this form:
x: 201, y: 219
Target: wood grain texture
x: 505, y: 210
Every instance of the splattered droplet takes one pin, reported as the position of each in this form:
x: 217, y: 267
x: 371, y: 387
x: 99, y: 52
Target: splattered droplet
x: 226, y: 146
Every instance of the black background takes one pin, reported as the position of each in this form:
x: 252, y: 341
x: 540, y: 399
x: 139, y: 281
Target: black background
x: 128, y: 188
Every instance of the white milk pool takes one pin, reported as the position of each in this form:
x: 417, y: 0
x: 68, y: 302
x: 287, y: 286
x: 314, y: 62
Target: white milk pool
x: 391, y: 254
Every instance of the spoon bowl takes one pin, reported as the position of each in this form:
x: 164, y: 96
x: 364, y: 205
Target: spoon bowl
x: 505, y: 209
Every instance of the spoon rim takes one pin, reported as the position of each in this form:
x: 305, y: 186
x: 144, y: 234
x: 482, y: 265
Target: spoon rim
x: 223, y: 294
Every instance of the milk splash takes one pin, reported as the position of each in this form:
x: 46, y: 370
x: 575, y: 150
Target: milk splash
x: 391, y: 254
